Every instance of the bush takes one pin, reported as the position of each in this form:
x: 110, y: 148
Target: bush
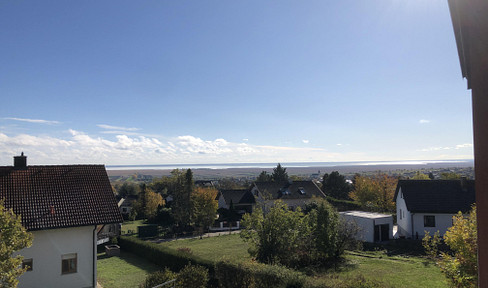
x: 157, y: 278
x: 162, y: 256
x: 194, y: 276
x: 256, y: 275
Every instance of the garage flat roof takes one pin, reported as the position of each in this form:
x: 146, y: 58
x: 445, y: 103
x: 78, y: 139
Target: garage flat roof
x: 364, y: 214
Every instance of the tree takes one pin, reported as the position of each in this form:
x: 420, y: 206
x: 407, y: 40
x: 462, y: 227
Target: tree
x: 460, y: 265
x: 152, y: 202
x: 375, y: 193
x: 204, y: 207
x: 450, y: 176
x: 13, y: 237
x: 336, y: 186
x: 295, y: 239
x: 264, y: 177
x: 279, y: 174
x: 276, y: 238
x: 181, y: 206
x: 420, y: 176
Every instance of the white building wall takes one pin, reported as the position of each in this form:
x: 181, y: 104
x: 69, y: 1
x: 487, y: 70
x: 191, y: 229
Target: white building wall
x: 366, y: 225
x: 442, y: 223
x: 46, y: 250
x: 404, y: 218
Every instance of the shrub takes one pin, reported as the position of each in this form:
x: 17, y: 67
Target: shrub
x: 256, y: 275
x: 184, y: 250
x: 160, y: 255
x: 157, y: 278
x: 194, y: 276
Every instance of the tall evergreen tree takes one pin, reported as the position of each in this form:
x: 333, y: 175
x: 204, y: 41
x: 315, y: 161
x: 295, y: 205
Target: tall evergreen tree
x: 335, y: 185
x: 279, y: 174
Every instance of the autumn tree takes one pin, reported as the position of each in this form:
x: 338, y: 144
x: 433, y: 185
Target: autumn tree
x: 375, y: 193
x: 204, y: 207
x: 335, y: 185
x: 450, y: 176
x: 460, y: 265
x: 279, y: 174
x: 420, y: 176
x: 13, y: 237
x: 152, y: 202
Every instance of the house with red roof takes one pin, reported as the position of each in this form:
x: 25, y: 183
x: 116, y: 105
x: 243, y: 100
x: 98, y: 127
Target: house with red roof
x: 429, y: 205
x: 63, y: 206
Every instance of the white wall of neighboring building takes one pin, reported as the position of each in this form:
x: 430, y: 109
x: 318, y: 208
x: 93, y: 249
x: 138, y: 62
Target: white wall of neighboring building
x: 46, y: 251
x: 366, y: 222
x: 404, y: 218
x: 442, y: 223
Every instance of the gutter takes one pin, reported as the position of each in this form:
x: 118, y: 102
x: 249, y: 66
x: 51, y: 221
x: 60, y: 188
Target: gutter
x: 94, y: 258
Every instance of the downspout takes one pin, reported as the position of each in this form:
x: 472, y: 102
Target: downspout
x: 94, y: 258
x: 411, y: 222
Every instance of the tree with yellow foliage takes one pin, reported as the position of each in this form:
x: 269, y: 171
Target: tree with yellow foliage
x: 204, y: 207
x: 13, y: 237
x: 460, y: 265
x: 375, y: 193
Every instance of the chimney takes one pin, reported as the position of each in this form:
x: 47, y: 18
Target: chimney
x: 20, y: 162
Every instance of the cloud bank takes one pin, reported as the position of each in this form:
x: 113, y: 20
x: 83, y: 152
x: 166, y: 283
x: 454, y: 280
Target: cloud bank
x: 124, y: 149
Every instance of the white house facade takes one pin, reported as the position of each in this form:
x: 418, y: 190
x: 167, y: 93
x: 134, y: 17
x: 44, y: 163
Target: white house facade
x: 61, y: 258
x: 429, y: 205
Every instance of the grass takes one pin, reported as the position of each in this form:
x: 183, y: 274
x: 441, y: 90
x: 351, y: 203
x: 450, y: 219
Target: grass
x: 131, y: 226
x: 127, y: 270
x: 230, y: 247
x: 396, y: 271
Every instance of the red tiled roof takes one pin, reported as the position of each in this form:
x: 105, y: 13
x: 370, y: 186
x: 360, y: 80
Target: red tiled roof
x: 49, y: 197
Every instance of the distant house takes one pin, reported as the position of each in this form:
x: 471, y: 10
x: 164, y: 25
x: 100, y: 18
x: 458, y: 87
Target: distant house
x: 428, y: 205
x: 373, y: 227
x: 293, y: 193
x: 242, y: 200
x: 64, y: 207
x: 125, y: 205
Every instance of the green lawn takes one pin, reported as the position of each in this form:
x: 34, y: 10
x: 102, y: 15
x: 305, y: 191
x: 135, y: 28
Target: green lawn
x: 395, y: 271
x: 128, y: 270
x: 230, y: 247
x: 131, y: 226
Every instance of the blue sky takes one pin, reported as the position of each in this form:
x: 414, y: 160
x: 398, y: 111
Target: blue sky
x: 165, y: 82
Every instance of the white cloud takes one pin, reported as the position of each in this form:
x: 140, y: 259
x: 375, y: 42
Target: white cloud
x: 465, y: 145
x: 118, y: 128
x: 38, y: 121
x: 424, y: 121
x: 79, y: 147
x: 305, y: 141
x: 443, y: 148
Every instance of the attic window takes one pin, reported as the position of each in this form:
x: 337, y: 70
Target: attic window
x: 301, y: 190
x: 285, y: 191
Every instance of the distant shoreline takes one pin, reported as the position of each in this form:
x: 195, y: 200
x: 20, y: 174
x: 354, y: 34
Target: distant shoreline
x: 208, y: 170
